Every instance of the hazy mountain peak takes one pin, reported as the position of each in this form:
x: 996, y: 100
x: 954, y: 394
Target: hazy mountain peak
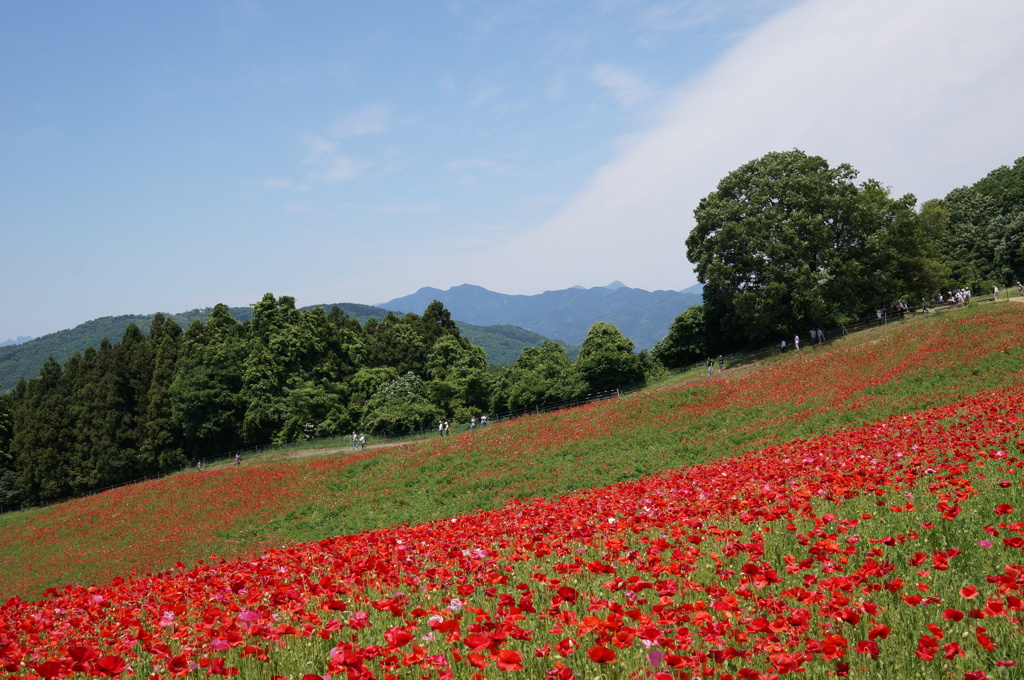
x: 565, y: 315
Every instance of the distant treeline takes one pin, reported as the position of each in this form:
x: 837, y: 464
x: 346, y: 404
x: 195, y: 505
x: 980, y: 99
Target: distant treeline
x: 153, y: 401
x: 503, y: 344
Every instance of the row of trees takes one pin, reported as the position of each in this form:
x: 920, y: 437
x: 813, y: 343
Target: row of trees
x: 786, y: 243
x: 148, y: 403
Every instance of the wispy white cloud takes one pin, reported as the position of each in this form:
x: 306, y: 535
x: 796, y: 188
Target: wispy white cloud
x: 681, y: 15
x: 485, y: 95
x: 471, y: 168
x: 626, y: 87
x: 331, y: 165
x: 409, y: 209
x: 922, y: 95
x: 369, y: 120
x: 275, y: 183
x: 463, y: 164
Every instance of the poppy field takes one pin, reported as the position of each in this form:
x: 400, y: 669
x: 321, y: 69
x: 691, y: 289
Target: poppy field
x: 781, y: 534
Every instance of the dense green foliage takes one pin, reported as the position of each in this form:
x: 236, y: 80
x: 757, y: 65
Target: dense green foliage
x: 541, y: 375
x: 983, y: 229
x: 503, y: 344
x: 150, y: 403
x: 787, y: 242
x: 607, y: 360
x: 686, y: 342
x: 8, y: 477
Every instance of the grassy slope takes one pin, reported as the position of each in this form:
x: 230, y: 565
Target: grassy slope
x: 150, y: 526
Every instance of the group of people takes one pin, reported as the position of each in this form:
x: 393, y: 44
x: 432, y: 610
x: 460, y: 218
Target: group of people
x: 358, y: 441
x: 443, y: 429
x: 958, y: 298
x: 961, y: 297
x: 711, y: 364
x: 817, y: 338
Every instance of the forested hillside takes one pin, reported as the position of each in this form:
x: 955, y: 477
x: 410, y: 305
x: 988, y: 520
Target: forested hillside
x: 502, y: 344
x: 149, y: 402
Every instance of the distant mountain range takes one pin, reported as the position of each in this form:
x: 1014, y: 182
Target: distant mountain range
x: 503, y: 325
x: 21, y: 339
x: 567, y: 315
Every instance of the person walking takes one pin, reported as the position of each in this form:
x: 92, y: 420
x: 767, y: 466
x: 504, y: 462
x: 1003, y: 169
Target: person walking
x: 995, y: 294
x: 796, y: 341
x: 238, y: 459
x: 472, y: 422
x: 721, y: 363
x: 710, y: 364
x: 440, y: 428
x: 783, y: 346
x: 362, y: 441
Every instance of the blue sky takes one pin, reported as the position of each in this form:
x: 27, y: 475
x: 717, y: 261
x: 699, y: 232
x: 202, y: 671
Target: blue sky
x: 167, y: 156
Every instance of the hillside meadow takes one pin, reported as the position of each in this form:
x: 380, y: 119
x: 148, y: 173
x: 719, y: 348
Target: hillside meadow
x: 838, y: 511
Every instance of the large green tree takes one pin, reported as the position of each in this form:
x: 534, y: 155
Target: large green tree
x: 10, y: 493
x: 540, y: 375
x: 458, y: 379
x: 206, y: 391
x: 607, y: 361
x: 686, y: 342
x: 403, y: 405
x: 788, y: 242
x: 983, y: 239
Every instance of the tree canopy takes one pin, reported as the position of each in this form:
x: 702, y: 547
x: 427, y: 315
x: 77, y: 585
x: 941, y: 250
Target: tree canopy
x: 982, y: 235
x: 787, y: 242
x: 607, y: 360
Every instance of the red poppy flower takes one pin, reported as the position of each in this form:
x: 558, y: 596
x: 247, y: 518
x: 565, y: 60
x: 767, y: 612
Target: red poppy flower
x: 111, y: 665
x: 510, y: 660
x: 600, y: 654
x: 178, y: 666
x: 560, y: 672
x: 50, y: 669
